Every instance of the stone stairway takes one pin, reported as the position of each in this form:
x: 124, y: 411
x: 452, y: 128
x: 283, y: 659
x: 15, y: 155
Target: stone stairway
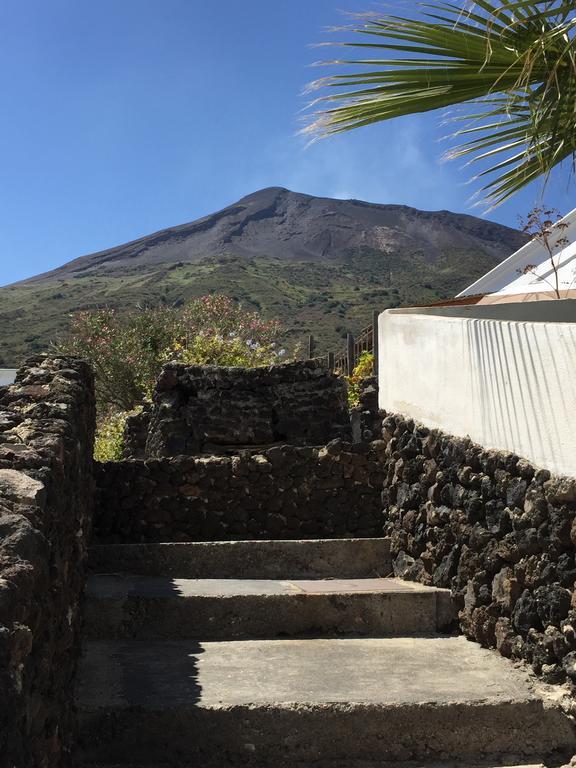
x: 296, y: 653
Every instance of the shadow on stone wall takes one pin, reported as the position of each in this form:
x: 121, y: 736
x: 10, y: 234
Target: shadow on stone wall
x: 46, y: 500
x: 214, y: 410
x: 285, y: 492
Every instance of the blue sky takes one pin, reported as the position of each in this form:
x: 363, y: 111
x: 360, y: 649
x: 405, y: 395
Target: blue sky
x: 121, y: 117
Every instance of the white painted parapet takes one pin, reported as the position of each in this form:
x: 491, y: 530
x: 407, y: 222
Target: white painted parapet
x: 506, y: 383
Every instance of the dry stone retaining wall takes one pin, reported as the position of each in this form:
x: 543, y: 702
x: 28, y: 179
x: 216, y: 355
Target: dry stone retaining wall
x: 365, y: 418
x: 46, y: 496
x: 136, y: 433
x: 209, y: 409
x: 496, y: 530
x: 285, y: 492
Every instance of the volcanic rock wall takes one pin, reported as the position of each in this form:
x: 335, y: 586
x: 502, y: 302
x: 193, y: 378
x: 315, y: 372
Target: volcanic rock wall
x: 209, y: 409
x: 285, y: 492
x: 496, y: 530
x: 46, y: 498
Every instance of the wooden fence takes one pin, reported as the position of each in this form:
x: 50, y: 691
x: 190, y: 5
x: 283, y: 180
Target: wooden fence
x: 345, y: 361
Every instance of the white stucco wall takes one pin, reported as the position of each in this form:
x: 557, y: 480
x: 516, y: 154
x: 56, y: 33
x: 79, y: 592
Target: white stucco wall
x: 506, y: 384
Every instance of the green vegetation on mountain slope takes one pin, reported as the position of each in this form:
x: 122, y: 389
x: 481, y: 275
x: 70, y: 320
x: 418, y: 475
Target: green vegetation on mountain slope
x: 325, y: 298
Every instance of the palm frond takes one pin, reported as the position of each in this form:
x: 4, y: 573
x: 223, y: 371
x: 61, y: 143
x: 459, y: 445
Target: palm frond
x: 513, y: 62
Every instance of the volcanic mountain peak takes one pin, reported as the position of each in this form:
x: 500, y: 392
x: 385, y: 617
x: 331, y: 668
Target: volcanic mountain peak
x: 317, y: 264
x: 277, y: 223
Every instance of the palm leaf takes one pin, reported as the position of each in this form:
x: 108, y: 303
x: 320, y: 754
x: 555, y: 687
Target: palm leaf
x: 513, y: 62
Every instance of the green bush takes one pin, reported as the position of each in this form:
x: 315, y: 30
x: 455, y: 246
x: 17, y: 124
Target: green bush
x: 364, y: 369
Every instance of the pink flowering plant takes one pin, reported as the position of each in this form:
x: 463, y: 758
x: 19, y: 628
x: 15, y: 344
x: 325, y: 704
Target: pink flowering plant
x: 128, y: 348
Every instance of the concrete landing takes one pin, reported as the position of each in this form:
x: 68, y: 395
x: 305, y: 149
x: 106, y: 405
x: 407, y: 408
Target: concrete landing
x: 309, y: 700
x: 164, y: 608
x: 221, y: 763
x: 306, y: 559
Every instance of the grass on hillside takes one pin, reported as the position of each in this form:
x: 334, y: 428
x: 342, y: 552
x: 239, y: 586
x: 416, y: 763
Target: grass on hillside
x: 325, y: 299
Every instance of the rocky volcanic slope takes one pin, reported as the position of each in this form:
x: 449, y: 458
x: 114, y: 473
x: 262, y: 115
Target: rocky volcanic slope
x: 318, y: 264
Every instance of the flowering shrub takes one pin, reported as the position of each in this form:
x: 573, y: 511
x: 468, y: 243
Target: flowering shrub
x: 363, y: 369
x: 128, y: 348
x: 125, y: 349
x: 216, y: 331
x: 215, y: 349
x: 220, y: 315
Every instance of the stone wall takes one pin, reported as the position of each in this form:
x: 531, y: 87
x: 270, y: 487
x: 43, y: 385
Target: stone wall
x: 284, y: 492
x: 136, y: 433
x: 366, y: 418
x: 497, y: 531
x: 208, y: 409
x: 46, y: 496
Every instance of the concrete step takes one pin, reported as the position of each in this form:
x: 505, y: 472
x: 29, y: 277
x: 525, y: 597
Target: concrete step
x: 304, y: 559
x: 340, y: 764
x: 315, y: 702
x: 162, y: 608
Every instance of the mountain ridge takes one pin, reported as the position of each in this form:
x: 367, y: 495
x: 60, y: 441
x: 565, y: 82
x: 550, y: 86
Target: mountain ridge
x: 273, y: 203
x: 318, y: 264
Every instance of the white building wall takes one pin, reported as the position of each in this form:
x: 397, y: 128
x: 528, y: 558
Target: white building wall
x: 509, y: 279
x: 506, y: 384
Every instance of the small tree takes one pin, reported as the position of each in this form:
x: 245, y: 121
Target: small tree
x: 545, y: 226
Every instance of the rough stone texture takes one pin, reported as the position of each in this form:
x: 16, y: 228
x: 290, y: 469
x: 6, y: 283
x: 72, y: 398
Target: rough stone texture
x: 366, y: 418
x: 136, y: 433
x: 46, y: 490
x: 208, y: 409
x: 494, y: 529
x: 286, y: 492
